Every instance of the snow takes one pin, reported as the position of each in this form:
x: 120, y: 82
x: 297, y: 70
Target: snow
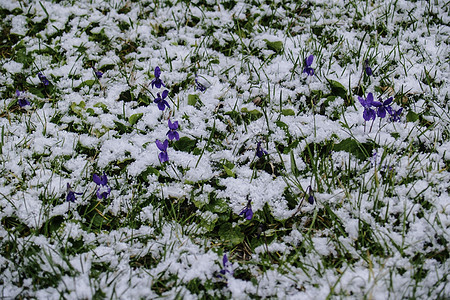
x: 404, y: 199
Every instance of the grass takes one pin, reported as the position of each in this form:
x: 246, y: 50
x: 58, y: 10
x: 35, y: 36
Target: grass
x: 377, y: 227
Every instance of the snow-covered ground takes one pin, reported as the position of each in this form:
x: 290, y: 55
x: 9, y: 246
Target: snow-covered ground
x: 283, y: 180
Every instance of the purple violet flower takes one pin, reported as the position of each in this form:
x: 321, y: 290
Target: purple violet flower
x: 160, y: 100
x: 308, y: 62
x: 310, y: 195
x: 71, y: 194
x: 260, y: 152
x: 104, y: 190
x: 22, y: 100
x: 367, y: 68
x: 157, y: 81
x: 385, y: 106
x: 163, y: 156
x: 172, y: 133
x: 43, y: 79
x: 247, y: 211
x: 98, y: 73
x: 395, y: 115
x: 199, y: 86
x: 227, y: 267
x: 369, y: 113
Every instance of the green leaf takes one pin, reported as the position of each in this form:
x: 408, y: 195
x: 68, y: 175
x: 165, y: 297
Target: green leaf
x: 193, y: 99
x: 149, y: 171
x: 90, y: 111
x: 276, y: 46
x: 288, y: 112
x: 124, y: 162
x: 126, y: 96
x: 216, y: 205
x: 229, y: 172
x: 231, y: 235
x: 22, y: 56
x: 395, y: 135
x: 78, y: 108
x: 122, y: 128
x: 37, y: 91
x: 208, y: 224
x: 412, y: 116
x: 185, y: 144
x: 254, y: 113
x: 235, y: 116
x: 283, y: 126
x: 102, y: 106
x: 144, y: 99
x: 133, y: 119
x: 360, y: 150
x: 197, y: 203
x: 337, y: 89
x: 88, y: 83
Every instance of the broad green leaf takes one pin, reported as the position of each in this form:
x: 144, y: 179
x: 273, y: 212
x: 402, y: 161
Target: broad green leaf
x: 208, y: 224
x: 88, y: 83
x: 255, y: 114
x: 144, y: 99
x: 126, y: 96
x: 122, y: 128
x: 360, y: 150
x: 288, y: 112
x: 133, y: 119
x: 193, y: 99
x: 283, y: 126
x: 102, y: 106
x: 149, y: 171
x: 185, y: 144
x: 124, y: 162
x: 37, y: 92
x: 276, y: 46
x: 231, y: 235
x: 217, y: 205
x: 395, y: 135
x: 412, y: 116
x: 90, y: 111
x: 78, y: 108
x: 229, y: 172
x: 337, y: 89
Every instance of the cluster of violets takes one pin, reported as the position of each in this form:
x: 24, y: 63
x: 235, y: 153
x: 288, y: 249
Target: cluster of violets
x: 373, y: 108
x: 21, y: 95
x: 172, y: 134
x: 247, y: 211
x: 160, y: 100
x: 381, y: 107
x: 22, y: 99
x: 103, y: 189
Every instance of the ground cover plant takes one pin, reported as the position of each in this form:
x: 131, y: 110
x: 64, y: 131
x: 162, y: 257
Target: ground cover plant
x: 224, y: 149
